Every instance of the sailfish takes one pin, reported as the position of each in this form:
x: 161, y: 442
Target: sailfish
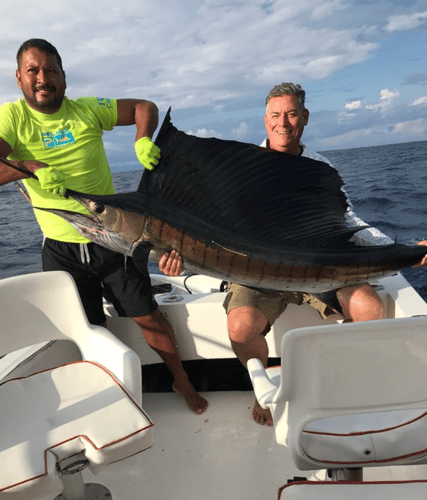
x: 241, y: 213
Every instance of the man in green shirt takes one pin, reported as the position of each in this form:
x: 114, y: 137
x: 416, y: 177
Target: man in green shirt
x: 59, y: 140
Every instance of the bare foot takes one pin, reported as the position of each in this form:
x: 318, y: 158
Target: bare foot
x: 194, y: 401
x: 261, y: 416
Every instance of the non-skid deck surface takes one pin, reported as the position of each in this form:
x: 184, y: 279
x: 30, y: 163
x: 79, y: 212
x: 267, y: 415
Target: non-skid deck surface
x: 222, y: 454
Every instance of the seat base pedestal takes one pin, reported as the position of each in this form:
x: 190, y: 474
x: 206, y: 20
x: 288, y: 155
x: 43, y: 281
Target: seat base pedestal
x: 346, y: 474
x: 93, y: 492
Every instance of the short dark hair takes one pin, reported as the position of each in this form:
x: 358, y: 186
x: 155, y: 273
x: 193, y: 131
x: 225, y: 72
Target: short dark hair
x: 287, y: 88
x: 38, y: 43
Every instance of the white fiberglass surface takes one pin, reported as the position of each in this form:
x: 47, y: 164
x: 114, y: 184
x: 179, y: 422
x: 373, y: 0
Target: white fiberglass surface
x: 220, y: 454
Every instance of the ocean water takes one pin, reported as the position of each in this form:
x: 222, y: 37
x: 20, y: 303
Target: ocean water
x: 387, y: 186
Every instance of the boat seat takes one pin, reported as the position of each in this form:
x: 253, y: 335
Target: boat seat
x: 327, y: 490
x: 57, y: 421
x: 350, y: 395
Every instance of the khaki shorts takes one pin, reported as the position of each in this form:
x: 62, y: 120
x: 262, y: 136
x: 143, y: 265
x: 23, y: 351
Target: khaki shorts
x: 270, y: 302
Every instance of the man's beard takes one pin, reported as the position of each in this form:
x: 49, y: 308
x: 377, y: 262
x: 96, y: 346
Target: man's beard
x: 51, y: 105
x: 55, y: 104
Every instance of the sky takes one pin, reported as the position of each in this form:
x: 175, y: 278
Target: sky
x: 363, y: 64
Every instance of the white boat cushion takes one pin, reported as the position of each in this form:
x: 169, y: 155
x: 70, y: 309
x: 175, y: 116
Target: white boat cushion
x: 367, y: 438
x: 59, y: 412
x: 393, y: 490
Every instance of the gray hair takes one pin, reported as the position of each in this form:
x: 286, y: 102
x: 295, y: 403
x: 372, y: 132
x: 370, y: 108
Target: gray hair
x: 287, y: 89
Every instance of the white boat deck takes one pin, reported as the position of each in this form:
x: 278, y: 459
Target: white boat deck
x: 222, y: 454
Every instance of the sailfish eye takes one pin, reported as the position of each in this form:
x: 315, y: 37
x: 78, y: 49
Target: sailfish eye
x: 99, y: 208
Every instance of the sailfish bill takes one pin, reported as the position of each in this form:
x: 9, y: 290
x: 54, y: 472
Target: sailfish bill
x: 240, y: 213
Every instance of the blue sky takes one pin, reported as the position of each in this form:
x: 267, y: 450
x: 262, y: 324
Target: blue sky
x: 363, y: 64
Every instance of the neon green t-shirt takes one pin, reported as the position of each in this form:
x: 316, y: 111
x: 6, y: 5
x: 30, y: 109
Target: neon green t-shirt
x: 69, y: 140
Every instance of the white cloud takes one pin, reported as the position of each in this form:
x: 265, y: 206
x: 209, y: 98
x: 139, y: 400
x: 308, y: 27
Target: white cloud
x: 406, y: 22
x: 241, y: 131
x: 354, y: 105
x: 202, y: 132
x: 387, y: 101
x: 394, y: 121
x: 113, y: 146
x: 353, y: 138
x: 420, y: 101
x: 388, y: 95
x: 326, y: 8
x: 189, y: 53
x: 346, y: 117
x: 413, y: 129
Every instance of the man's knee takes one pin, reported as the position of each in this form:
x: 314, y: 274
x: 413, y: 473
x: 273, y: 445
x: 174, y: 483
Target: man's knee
x: 245, y: 323
x: 360, y: 303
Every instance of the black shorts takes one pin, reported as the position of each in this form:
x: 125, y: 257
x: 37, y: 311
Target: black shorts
x: 100, y: 272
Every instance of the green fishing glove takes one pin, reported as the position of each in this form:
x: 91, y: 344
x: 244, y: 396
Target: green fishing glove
x: 51, y: 180
x: 147, y: 152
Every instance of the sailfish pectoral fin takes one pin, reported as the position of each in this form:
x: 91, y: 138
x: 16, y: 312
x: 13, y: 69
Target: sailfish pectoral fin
x: 140, y: 256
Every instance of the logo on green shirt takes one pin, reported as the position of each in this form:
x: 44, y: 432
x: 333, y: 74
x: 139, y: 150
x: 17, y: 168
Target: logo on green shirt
x: 103, y: 101
x: 58, y: 139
